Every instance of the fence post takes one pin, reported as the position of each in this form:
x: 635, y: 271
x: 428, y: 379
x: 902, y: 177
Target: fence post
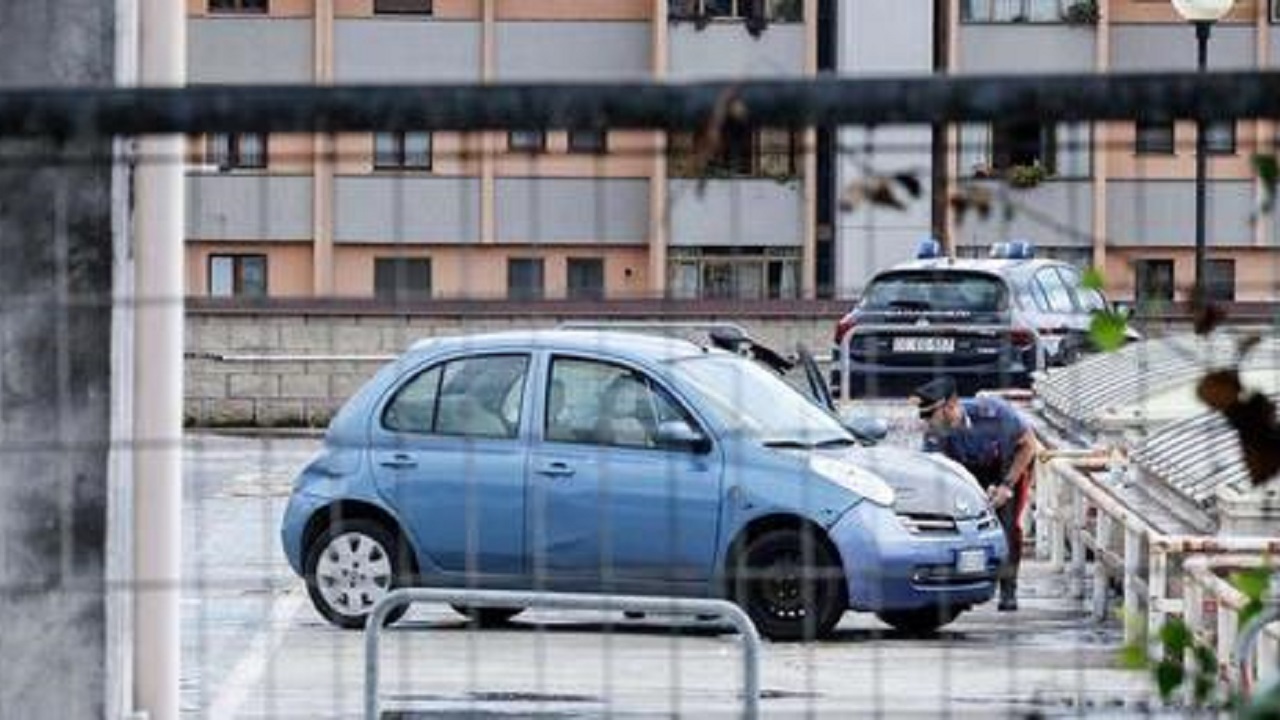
x: 1132, y: 599
x: 1075, y: 586
x: 1101, y: 573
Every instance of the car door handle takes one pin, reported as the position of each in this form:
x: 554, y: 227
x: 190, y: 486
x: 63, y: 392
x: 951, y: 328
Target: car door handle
x: 555, y: 470
x: 399, y: 461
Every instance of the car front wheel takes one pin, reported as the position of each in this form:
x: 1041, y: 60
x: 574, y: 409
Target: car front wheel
x: 350, y: 567
x: 785, y: 597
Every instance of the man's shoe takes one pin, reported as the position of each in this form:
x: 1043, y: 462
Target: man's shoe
x: 1008, y: 596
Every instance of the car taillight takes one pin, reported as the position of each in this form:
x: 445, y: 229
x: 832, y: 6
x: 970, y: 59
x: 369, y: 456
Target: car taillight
x: 844, y: 326
x: 1022, y: 337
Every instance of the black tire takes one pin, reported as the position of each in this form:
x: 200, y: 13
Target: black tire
x: 921, y: 621
x: 382, y: 544
x: 487, y: 616
x: 786, y: 600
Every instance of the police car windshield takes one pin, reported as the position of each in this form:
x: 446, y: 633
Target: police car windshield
x: 926, y: 291
x: 751, y: 400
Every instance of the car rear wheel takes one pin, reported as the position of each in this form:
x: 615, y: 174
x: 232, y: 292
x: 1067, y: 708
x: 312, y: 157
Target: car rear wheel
x: 486, y: 616
x: 350, y: 567
x: 787, y: 599
x: 921, y: 621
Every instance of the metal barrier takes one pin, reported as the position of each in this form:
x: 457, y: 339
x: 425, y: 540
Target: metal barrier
x: 722, y: 609
x: 1085, y: 515
x: 1250, y: 654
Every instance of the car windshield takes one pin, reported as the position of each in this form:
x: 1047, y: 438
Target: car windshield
x: 755, y: 402
x: 946, y: 291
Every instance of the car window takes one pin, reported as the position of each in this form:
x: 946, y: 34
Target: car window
x: 1056, y: 291
x: 478, y: 397
x: 925, y: 291
x: 1088, y: 299
x: 600, y: 403
x: 414, y: 407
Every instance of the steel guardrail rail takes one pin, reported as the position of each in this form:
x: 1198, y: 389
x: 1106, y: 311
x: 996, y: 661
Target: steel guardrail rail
x: 722, y: 609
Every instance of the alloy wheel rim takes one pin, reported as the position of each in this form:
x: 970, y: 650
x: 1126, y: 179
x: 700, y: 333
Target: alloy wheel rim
x: 353, y: 574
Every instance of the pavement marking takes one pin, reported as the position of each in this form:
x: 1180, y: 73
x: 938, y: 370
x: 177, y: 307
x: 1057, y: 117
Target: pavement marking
x: 249, y: 670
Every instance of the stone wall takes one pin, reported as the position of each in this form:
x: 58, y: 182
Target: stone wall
x: 291, y: 368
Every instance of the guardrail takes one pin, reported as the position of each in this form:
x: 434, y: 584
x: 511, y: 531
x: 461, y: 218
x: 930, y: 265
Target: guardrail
x: 1249, y: 656
x: 564, y: 601
x: 1085, y: 515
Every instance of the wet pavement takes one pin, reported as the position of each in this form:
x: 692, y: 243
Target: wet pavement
x: 254, y: 648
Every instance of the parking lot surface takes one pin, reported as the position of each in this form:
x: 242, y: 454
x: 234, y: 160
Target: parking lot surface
x: 254, y: 648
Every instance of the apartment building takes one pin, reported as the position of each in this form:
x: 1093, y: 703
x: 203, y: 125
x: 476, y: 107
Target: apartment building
x: 1119, y: 196
x: 537, y: 213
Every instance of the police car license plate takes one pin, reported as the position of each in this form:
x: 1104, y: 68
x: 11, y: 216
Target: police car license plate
x: 924, y: 345
x: 971, y: 562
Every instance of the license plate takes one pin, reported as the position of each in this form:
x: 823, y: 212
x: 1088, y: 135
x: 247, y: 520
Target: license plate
x: 971, y: 562
x: 924, y: 345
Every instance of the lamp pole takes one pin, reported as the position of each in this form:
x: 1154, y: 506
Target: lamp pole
x: 1203, y: 28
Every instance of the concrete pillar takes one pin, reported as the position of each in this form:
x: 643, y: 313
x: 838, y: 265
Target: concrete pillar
x: 55, y: 376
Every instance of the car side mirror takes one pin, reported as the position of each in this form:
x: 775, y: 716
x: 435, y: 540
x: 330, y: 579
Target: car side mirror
x: 679, y: 435
x: 866, y: 429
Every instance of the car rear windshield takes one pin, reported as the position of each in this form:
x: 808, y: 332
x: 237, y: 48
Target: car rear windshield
x: 932, y: 291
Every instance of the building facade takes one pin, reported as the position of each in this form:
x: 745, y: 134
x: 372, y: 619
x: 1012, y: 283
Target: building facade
x: 521, y: 215
x: 1119, y: 196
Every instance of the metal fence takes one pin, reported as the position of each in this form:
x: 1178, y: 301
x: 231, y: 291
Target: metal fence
x: 327, y: 231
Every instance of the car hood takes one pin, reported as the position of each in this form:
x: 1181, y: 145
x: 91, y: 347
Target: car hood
x: 924, y: 483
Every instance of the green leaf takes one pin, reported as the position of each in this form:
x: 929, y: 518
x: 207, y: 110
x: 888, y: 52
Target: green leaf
x: 1135, y: 657
x: 1250, y: 609
x: 1202, y: 688
x: 1252, y: 583
x: 1107, y: 330
x: 1093, y: 280
x: 1169, y: 675
x: 1267, y: 169
x: 1206, y: 658
x: 1176, y: 637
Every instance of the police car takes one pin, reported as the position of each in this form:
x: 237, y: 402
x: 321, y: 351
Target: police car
x: 988, y: 323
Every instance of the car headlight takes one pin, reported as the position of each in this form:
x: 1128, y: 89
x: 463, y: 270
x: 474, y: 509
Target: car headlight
x: 855, y: 479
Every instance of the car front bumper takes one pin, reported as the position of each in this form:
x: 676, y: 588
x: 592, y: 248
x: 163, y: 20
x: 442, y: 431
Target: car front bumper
x: 887, y: 567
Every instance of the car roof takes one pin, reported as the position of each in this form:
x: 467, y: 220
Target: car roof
x: 657, y: 348
x: 1003, y: 268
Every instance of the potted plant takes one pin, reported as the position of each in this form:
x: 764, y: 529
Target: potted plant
x: 1025, y: 177
x: 1082, y: 12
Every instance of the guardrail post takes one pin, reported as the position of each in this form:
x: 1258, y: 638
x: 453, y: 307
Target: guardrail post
x: 1075, y: 583
x: 1157, y: 589
x: 1101, y: 573
x: 1132, y: 598
x: 1044, y: 511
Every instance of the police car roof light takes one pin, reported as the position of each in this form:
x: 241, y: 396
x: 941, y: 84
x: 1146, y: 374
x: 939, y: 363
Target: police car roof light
x: 928, y: 249
x: 999, y: 251
x: 1022, y: 250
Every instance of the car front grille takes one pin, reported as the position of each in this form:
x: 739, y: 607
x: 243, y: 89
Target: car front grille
x: 926, y: 524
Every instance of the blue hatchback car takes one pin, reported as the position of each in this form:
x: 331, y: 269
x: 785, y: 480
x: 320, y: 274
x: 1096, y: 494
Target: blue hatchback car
x: 587, y: 461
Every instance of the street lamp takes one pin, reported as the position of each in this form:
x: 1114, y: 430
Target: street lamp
x: 1203, y: 14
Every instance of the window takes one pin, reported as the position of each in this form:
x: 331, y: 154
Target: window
x: 398, y: 279
x: 586, y: 278
x: 1153, y: 281
x: 772, y: 10
x: 1220, y: 138
x: 599, y: 403
x: 476, y: 397
x: 402, y: 7
x: 237, y: 6
x: 734, y: 273
x: 1088, y: 299
x: 1275, y: 11
x: 1063, y: 150
x: 238, y: 276
x: 953, y: 291
x: 525, y: 279
x: 237, y: 152
x: 587, y: 141
x: 527, y: 141
x: 1056, y: 292
x: 1010, y: 11
x: 742, y: 153
x: 1154, y: 138
x: 402, y: 151
x: 1220, y: 280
